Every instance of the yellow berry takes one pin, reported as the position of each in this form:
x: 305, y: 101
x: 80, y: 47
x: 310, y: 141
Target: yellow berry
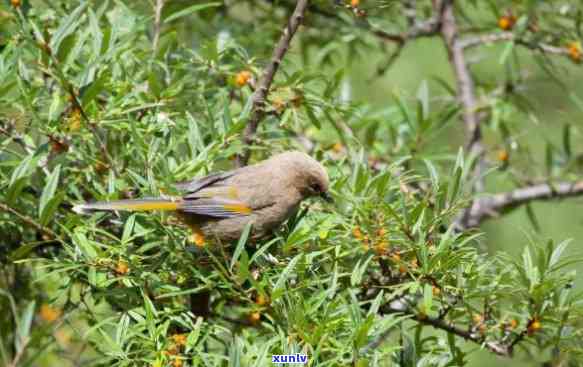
x: 535, y: 325
x: 337, y: 148
x: 261, y: 300
x: 478, y: 319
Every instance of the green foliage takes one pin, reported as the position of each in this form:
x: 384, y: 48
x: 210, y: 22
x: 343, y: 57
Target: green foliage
x: 91, y: 110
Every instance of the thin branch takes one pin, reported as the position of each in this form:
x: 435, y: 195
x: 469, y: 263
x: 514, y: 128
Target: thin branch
x: 493, y: 346
x: 483, y: 39
x: 28, y: 220
x: 157, y: 24
x: 260, y: 94
x: 493, y: 206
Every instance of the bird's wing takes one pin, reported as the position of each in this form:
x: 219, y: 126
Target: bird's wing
x: 213, y: 196
x: 197, y: 184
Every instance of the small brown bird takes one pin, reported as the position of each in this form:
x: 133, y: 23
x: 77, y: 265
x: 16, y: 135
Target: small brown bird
x: 219, y: 206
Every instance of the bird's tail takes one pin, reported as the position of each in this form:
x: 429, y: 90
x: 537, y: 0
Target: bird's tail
x: 134, y: 205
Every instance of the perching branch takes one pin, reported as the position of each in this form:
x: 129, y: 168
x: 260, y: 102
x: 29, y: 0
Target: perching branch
x: 260, y: 94
x: 493, y: 206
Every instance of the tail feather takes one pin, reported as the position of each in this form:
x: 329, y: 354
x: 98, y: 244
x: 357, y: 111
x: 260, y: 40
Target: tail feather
x: 144, y: 204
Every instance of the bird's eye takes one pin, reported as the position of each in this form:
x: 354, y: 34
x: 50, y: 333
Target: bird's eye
x: 315, y: 188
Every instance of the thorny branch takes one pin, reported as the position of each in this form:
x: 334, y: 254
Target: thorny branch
x: 31, y: 222
x: 484, y: 39
x: 260, y: 94
x: 441, y: 324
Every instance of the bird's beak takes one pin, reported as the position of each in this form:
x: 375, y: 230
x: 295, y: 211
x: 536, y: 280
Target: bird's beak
x: 326, y: 196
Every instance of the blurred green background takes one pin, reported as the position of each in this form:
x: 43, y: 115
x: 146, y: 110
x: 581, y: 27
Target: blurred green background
x: 559, y: 220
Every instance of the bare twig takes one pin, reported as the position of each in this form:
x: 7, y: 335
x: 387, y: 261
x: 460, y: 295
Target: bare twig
x: 260, y: 94
x: 157, y: 24
x: 483, y: 39
x: 28, y: 220
x: 493, y: 206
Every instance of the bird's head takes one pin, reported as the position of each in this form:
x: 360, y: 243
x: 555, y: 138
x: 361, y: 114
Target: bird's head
x: 306, y: 174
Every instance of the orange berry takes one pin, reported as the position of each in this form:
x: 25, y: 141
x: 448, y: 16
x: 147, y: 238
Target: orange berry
x: 354, y: 3
x: 254, y: 317
x: 482, y: 328
x: 506, y: 22
x: 513, y: 324
x: 503, y: 155
x: 16, y: 3
x: 357, y: 233
x: 122, y: 268
x: 180, y: 339
x: 49, y: 313
x: 436, y: 291
x: 575, y: 52
x: 198, y: 239
x: 402, y: 269
x: 177, y: 362
x: 242, y: 78
x: 381, y: 232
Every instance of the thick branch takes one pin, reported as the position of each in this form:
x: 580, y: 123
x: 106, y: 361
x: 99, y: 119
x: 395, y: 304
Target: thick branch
x: 493, y: 206
x: 260, y: 94
x: 495, y: 347
x: 467, y: 97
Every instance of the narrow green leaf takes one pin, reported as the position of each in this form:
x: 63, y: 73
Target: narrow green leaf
x: 49, y: 190
x: 241, y: 244
x: 285, y: 274
x: 190, y: 10
x: 68, y: 25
